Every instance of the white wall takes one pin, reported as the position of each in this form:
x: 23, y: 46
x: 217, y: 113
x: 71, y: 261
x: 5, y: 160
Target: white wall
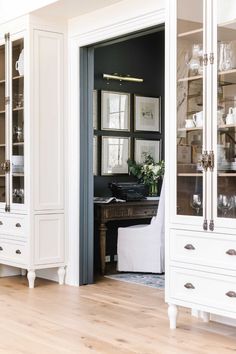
x: 110, y: 15
x: 10, y: 9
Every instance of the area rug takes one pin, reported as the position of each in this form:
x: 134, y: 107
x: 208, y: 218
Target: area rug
x: 151, y: 280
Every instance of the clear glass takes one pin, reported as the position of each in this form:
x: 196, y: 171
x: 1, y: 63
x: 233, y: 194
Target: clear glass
x: 226, y: 110
x: 17, y: 158
x: 2, y: 124
x: 190, y: 110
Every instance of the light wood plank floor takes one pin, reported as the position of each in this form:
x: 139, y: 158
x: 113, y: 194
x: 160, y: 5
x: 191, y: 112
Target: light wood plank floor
x: 109, y: 317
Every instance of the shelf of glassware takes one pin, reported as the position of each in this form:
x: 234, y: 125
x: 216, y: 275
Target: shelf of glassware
x: 190, y: 129
x: 231, y: 76
x: 190, y: 78
x: 226, y: 126
x: 195, y: 36
x: 189, y: 174
x: 199, y: 174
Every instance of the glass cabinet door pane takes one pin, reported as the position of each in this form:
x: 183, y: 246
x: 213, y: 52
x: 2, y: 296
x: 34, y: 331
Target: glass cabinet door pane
x: 226, y: 110
x: 2, y: 124
x: 189, y: 107
x: 18, y: 121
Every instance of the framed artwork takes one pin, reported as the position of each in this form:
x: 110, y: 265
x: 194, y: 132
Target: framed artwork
x: 95, y: 109
x: 146, y: 147
x: 147, y: 113
x: 115, y: 111
x: 115, y: 153
x: 95, y: 155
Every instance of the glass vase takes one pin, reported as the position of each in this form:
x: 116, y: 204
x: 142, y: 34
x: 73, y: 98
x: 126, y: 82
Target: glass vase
x: 153, y: 189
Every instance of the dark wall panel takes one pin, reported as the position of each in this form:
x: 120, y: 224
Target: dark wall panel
x: 139, y: 57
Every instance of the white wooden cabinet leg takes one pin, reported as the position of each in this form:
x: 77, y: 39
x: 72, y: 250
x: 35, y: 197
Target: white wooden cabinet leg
x: 31, y: 278
x: 23, y: 272
x: 172, y: 314
x: 61, y: 275
x: 205, y: 316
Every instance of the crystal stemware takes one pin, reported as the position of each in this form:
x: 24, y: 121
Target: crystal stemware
x: 196, y: 203
x: 224, y: 204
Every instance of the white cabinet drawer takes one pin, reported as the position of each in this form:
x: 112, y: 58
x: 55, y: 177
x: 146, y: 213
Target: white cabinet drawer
x: 13, y: 252
x: 14, y: 225
x: 200, y: 248
x: 215, y: 291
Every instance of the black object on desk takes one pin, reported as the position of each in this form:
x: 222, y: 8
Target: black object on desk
x: 128, y: 191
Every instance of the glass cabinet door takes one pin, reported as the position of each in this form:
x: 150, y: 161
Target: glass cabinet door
x: 190, y: 107
x: 226, y: 109
x: 2, y: 124
x: 17, y: 126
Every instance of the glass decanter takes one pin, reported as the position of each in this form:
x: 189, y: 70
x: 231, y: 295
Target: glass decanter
x: 194, y: 64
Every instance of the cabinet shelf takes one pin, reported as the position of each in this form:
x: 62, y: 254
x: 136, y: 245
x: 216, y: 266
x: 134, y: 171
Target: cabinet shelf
x: 190, y: 129
x: 194, y: 35
x: 18, y: 77
x: 18, y: 174
x: 189, y: 174
x: 1, y: 176
x: 2, y: 81
x: 2, y: 145
x: 228, y: 24
x: 231, y: 75
x: 18, y: 109
x: 226, y: 126
x: 190, y: 78
x: 226, y: 174
x: 18, y: 144
x: 2, y: 112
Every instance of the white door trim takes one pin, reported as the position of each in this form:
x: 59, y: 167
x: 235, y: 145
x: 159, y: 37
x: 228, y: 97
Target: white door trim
x: 77, y: 40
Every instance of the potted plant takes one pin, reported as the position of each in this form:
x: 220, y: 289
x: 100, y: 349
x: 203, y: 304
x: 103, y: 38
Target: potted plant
x: 149, y: 172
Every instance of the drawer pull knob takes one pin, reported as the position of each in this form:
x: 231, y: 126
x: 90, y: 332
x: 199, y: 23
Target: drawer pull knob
x: 18, y: 252
x: 1, y: 223
x: 1, y: 249
x: 231, y: 252
x: 231, y: 294
x: 189, y: 247
x: 18, y: 225
x: 189, y: 286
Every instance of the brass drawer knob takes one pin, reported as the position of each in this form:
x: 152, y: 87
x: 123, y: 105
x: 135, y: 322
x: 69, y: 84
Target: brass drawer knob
x: 231, y: 252
x: 189, y: 286
x: 1, y: 249
x: 18, y: 252
x: 18, y: 225
x: 1, y: 223
x: 189, y: 247
x: 231, y: 294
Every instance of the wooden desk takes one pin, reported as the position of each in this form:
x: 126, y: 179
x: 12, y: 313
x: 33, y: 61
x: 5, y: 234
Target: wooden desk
x: 104, y: 213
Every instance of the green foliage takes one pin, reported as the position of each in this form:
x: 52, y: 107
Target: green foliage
x: 149, y: 171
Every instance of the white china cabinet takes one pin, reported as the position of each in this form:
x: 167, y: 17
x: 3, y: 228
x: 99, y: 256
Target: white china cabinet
x: 201, y: 157
x: 31, y: 148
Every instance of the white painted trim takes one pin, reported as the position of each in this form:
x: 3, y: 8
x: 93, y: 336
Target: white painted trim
x: 78, y: 39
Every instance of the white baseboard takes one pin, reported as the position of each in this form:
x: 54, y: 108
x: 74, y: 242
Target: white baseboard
x: 49, y: 274
x: 224, y: 320
x: 7, y: 271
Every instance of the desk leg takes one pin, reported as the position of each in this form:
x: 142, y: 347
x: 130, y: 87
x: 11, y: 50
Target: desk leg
x: 103, y: 233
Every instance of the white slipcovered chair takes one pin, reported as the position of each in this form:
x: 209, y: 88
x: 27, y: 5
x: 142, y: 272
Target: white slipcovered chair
x: 140, y: 248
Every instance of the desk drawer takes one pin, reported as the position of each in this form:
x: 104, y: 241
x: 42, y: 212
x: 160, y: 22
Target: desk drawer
x: 204, y: 249
x: 217, y: 291
x: 141, y: 211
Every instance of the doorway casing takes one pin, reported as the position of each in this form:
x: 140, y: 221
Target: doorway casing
x: 79, y: 271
